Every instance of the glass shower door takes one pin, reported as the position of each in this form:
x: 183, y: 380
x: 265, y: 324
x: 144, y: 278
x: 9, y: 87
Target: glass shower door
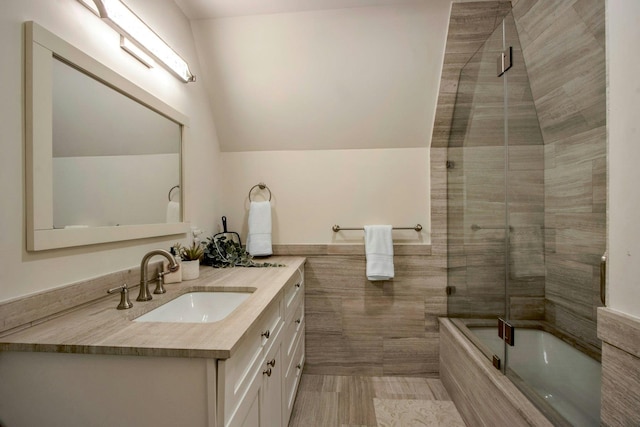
x: 477, y: 193
x: 497, y: 264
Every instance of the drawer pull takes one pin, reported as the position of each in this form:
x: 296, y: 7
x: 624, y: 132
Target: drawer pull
x: 298, y: 321
x: 299, y: 366
x: 298, y: 285
x: 266, y: 334
x: 272, y: 363
x: 267, y: 372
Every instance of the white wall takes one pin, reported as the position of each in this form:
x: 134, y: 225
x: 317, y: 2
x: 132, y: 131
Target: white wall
x: 333, y: 110
x: 363, y: 77
x: 623, y: 28
x: 313, y: 190
x: 386, y: 181
x: 22, y: 272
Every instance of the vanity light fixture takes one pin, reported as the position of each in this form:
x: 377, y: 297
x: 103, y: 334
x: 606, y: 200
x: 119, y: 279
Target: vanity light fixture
x: 135, y: 51
x: 134, y: 31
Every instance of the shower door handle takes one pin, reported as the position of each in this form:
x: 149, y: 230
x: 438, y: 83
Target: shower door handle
x: 603, y: 278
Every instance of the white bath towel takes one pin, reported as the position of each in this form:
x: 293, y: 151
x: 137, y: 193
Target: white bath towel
x: 378, y: 244
x: 259, y: 237
x: 173, y: 212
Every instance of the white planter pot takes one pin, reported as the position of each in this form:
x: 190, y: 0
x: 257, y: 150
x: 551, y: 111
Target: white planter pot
x: 190, y: 269
x: 176, y: 276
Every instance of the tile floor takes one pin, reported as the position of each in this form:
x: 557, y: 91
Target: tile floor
x: 341, y: 401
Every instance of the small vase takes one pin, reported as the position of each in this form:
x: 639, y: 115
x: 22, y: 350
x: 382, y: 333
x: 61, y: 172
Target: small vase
x: 190, y: 269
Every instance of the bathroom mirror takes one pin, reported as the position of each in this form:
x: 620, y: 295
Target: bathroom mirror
x: 102, y: 154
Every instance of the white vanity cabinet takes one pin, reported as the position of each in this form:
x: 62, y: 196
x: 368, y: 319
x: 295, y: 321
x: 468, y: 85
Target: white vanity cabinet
x: 292, y: 345
x: 261, y: 407
x: 257, y: 385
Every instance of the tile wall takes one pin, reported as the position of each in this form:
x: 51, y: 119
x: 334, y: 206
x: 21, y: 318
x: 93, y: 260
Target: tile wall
x: 478, y: 186
x: 359, y: 327
x: 620, y: 336
x: 564, y: 204
x: 563, y: 44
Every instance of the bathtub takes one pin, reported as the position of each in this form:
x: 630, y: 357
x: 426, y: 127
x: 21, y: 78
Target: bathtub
x: 567, y: 379
x: 559, y: 379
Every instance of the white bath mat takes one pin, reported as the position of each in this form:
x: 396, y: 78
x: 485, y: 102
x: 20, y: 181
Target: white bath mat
x: 416, y: 413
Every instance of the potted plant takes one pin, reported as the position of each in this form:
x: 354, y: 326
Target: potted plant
x: 191, y: 256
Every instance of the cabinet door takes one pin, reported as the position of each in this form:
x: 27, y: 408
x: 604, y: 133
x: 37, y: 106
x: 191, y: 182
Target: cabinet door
x: 271, y: 390
x: 253, y: 416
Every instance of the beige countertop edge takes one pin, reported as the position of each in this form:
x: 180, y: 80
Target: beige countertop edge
x: 101, y: 329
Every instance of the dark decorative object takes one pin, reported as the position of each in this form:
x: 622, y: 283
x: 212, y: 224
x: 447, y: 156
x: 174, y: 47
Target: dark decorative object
x: 222, y: 252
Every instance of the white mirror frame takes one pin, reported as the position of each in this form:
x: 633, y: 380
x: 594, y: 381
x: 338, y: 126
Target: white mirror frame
x: 40, y: 48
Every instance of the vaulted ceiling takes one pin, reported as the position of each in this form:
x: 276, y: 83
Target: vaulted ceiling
x: 209, y: 9
x: 320, y: 74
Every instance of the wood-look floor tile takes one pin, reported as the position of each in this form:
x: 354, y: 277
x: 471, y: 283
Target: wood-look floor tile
x: 350, y: 401
x: 402, y: 388
x: 356, y: 401
x: 317, y: 409
x: 310, y: 382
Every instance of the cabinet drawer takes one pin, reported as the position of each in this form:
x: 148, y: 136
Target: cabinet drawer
x: 271, y: 391
x: 236, y: 373
x: 293, y: 292
x: 292, y: 376
x: 294, y: 327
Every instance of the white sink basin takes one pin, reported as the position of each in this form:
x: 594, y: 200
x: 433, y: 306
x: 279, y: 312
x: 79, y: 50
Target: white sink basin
x: 196, y: 307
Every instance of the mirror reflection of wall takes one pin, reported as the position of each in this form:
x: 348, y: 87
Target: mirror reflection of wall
x: 114, y: 159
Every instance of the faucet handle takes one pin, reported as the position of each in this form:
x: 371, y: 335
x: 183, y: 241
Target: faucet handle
x: 124, y: 296
x: 160, y: 284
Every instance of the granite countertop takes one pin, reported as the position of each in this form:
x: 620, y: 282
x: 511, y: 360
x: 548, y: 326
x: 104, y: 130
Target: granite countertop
x: 99, y: 328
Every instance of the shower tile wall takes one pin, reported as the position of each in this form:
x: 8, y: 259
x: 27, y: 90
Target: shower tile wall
x: 563, y: 44
x: 469, y: 26
x: 476, y: 190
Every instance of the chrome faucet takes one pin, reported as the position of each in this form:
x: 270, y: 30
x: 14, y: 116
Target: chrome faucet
x: 144, y: 294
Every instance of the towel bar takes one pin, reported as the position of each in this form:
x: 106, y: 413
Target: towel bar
x: 337, y: 228
x: 262, y: 186
x: 476, y: 227
x: 173, y: 188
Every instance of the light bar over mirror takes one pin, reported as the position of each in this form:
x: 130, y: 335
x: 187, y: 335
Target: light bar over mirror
x: 130, y: 26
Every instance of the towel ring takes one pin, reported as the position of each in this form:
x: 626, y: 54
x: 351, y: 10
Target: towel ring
x: 262, y: 186
x: 173, y: 188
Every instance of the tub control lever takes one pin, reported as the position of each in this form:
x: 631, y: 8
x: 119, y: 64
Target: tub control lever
x: 603, y: 278
x: 124, y: 296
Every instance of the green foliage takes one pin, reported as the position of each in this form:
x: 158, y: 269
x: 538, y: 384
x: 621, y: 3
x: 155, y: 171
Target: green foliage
x: 223, y: 252
x: 191, y: 253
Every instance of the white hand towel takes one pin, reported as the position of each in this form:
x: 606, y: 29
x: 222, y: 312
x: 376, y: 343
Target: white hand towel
x: 259, y: 238
x: 173, y: 212
x: 378, y: 243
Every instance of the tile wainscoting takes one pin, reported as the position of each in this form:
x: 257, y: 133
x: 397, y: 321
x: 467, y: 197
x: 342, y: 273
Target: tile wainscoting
x: 620, y: 335
x: 359, y: 327
x: 36, y: 308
